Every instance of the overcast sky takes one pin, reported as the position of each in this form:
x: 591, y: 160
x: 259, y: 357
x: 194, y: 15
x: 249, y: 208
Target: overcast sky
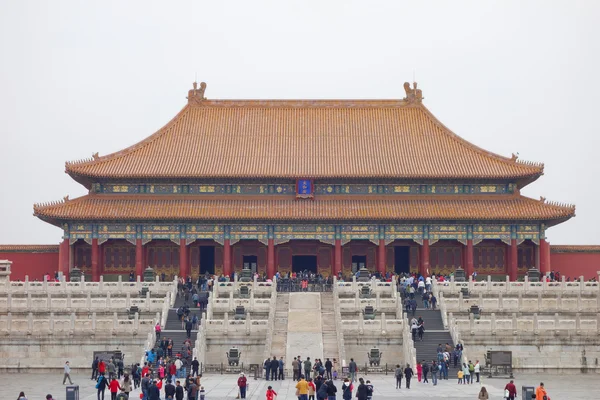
x: 79, y: 77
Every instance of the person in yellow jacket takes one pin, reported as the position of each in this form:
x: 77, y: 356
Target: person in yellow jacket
x: 302, y: 388
x: 540, y: 392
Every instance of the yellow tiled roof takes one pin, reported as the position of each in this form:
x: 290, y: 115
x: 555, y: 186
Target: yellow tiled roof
x: 304, y: 139
x: 182, y: 207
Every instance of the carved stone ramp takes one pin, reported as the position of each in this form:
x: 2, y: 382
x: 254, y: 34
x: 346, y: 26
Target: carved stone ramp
x: 304, y: 335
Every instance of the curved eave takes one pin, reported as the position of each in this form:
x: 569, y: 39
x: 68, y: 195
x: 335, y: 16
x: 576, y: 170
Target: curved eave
x: 271, y: 208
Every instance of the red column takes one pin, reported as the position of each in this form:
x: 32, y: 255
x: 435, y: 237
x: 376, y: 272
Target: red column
x: 271, y: 258
x: 182, y: 258
x: 95, y: 252
x: 63, y: 257
x: 337, y: 266
x: 227, y: 257
x: 469, y: 265
x: 514, y: 258
x: 425, y: 258
x: 139, y: 258
x: 381, y: 257
x: 544, y: 264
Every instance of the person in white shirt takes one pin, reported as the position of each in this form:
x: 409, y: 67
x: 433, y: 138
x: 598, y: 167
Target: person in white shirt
x: 477, y: 370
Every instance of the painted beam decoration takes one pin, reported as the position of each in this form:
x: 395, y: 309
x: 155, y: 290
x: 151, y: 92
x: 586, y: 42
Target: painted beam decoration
x: 79, y: 231
x: 528, y: 231
x: 302, y: 188
x: 117, y: 231
x: 240, y: 232
x: 483, y: 232
x: 209, y: 232
x: 442, y: 232
x: 170, y: 232
x: 412, y: 232
x: 323, y: 233
x: 326, y: 233
x: 354, y: 232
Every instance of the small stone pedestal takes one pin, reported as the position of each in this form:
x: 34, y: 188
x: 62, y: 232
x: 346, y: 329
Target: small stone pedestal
x: 5, y: 271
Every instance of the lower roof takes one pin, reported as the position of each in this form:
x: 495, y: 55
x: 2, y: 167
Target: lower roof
x: 184, y: 207
x: 28, y: 248
x: 575, y: 249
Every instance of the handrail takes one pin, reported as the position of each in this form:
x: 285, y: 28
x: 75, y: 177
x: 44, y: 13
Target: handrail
x: 271, y: 321
x: 338, y: 325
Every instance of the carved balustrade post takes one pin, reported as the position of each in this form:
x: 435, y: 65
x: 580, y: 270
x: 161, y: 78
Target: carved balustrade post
x: 115, y: 322
x: 29, y: 323
x: 539, y: 302
x: 578, y: 323
x: 226, y: 323
x: 383, y: 324
x: 29, y: 301
x: 247, y: 323
x: 94, y: 322
x: 493, y: 323
x: 536, y: 326
x: 461, y: 303
x: 9, y: 322
x: 500, y: 302
x: 9, y: 301
x: 128, y: 300
x: 136, y: 322
x: 526, y: 284
x: 51, y: 323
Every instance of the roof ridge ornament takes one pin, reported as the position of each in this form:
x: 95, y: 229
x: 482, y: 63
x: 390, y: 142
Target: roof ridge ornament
x: 413, y: 95
x: 196, y: 95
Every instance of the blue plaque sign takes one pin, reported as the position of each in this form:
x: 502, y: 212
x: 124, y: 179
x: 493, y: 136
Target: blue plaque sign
x: 304, y: 189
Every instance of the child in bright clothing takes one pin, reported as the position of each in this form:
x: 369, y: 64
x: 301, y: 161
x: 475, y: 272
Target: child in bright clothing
x: 271, y: 393
x: 460, y: 376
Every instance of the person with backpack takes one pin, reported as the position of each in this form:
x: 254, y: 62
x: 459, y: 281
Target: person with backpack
x: 435, y: 369
x: 101, y: 385
x: 471, y: 372
x: 369, y: 390
x: 347, y: 389
x: 398, y: 375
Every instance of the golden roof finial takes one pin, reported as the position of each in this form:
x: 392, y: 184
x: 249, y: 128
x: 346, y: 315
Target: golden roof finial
x: 197, y: 94
x: 413, y: 95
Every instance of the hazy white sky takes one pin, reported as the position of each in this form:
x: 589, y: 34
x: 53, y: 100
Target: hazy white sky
x: 78, y: 77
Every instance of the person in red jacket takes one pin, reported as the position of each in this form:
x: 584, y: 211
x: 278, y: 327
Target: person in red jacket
x: 271, y: 393
x: 242, y: 385
x: 512, y: 390
x: 114, y: 388
x: 101, y: 367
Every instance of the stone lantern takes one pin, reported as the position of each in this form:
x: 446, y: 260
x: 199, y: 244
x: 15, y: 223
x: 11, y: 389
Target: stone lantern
x: 459, y: 275
x: 533, y: 275
x: 149, y: 275
x: 75, y: 275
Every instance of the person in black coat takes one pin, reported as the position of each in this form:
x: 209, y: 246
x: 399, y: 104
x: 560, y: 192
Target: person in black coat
x: 153, y: 392
x: 331, y: 389
x: 169, y: 390
x: 361, y: 391
x: 274, y: 366
x: 408, y: 373
x: 328, y: 367
x: 178, y: 391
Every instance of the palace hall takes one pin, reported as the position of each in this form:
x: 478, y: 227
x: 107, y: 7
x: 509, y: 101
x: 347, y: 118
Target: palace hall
x: 327, y: 186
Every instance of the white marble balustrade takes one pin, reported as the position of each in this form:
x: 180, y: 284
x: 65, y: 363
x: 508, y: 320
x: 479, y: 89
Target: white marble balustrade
x: 558, y: 324
x: 36, y: 325
x: 506, y: 286
x: 97, y: 302
x: 521, y: 303
x: 83, y: 287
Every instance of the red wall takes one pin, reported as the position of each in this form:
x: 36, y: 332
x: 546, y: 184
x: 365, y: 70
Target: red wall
x: 33, y: 264
x: 576, y: 264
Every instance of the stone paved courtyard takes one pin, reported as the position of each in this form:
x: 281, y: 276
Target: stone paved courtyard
x: 37, y: 385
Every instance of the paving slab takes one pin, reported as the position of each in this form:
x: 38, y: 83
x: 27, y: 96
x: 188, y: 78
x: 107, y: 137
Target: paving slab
x: 221, y: 387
